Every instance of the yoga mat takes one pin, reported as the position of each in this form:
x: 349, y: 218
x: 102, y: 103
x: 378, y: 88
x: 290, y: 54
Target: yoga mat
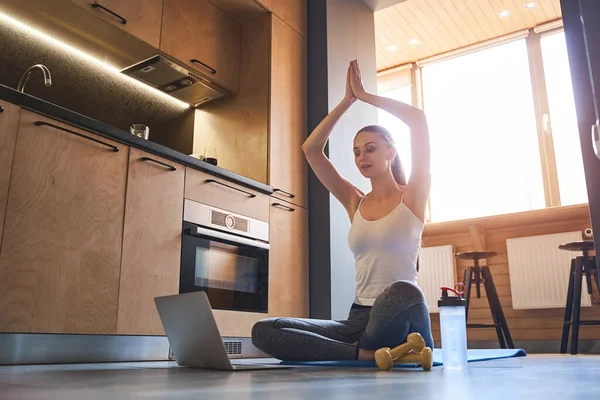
x: 473, y: 355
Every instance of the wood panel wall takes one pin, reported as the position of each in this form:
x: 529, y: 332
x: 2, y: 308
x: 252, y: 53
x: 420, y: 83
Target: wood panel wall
x: 491, y: 234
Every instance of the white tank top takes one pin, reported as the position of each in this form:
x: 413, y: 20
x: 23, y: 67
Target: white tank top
x: 385, y: 250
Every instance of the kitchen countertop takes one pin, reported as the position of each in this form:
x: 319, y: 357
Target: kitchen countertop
x: 53, y: 111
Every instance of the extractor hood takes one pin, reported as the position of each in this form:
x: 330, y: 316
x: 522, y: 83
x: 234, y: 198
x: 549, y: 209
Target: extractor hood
x: 175, y: 79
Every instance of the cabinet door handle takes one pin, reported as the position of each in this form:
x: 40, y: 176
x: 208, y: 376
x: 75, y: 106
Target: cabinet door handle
x: 212, y: 70
x: 284, y: 192
x: 171, y: 167
x: 251, y: 195
x: 41, y: 123
x: 1, y: 109
x: 123, y: 20
x: 283, y: 206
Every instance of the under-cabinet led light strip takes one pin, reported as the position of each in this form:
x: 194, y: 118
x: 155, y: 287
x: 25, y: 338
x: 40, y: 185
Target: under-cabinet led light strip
x: 86, y: 57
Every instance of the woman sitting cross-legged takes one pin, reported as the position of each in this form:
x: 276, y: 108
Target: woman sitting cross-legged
x: 385, y: 238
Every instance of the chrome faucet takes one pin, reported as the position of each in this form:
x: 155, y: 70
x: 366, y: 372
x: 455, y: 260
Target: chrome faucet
x: 27, y: 74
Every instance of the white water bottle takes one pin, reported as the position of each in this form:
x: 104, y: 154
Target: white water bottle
x: 453, y: 326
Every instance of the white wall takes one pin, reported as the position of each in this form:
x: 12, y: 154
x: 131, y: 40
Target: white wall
x: 350, y: 35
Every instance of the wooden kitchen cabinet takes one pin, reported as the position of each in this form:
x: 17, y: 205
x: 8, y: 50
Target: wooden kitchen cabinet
x: 199, y: 34
x: 288, y: 261
x: 292, y: 12
x: 217, y: 192
x: 9, y: 123
x: 268, y: 4
x: 288, y: 169
x: 141, y: 18
x: 151, y: 241
x: 61, y: 251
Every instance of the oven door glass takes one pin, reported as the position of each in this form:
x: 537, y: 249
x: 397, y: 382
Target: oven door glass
x: 234, y: 275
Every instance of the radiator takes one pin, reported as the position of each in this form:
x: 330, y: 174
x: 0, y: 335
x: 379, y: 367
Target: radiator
x: 539, y: 271
x: 437, y: 268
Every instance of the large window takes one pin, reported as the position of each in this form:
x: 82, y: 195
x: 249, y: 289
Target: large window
x: 484, y: 142
x: 398, y: 129
x: 503, y: 127
x: 565, y: 132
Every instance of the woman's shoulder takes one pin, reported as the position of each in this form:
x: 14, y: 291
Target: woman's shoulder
x: 417, y: 208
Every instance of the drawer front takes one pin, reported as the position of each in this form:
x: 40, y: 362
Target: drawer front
x: 221, y: 193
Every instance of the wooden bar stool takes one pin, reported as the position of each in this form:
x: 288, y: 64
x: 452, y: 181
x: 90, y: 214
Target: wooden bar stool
x: 477, y: 274
x: 580, y: 266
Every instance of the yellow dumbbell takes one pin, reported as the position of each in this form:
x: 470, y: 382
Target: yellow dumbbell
x: 424, y: 358
x: 385, y: 356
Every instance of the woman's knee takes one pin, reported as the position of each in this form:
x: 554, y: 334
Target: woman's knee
x: 420, y: 322
x: 262, y: 332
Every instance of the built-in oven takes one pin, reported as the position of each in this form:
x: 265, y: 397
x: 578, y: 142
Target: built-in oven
x: 225, y: 255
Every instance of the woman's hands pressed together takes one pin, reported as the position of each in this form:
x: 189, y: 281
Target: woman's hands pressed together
x: 355, y: 79
x: 349, y: 97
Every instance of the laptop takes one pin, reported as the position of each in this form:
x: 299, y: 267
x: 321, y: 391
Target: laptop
x: 193, y: 333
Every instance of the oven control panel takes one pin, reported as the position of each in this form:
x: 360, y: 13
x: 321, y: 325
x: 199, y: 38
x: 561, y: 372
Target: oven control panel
x: 216, y: 218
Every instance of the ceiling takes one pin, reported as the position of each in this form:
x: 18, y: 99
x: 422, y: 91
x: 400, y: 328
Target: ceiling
x: 416, y: 29
x: 381, y: 4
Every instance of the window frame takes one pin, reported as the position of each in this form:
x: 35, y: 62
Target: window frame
x: 532, y: 38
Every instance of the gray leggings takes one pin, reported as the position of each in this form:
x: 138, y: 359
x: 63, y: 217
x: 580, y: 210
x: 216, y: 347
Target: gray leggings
x: 398, y: 311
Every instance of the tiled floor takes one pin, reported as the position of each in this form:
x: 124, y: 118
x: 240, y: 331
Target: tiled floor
x: 531, y: 377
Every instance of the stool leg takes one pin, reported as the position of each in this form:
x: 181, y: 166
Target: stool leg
x: 477, y: 271
x: 496, y: 309
x: 588, y: 275
x: 596, y: 266
x: 492, y: 303
x: 576, y: 304
x: 592, y: 273
x: 467, y: 282
x: 568, y: 310
x: 598, y: 278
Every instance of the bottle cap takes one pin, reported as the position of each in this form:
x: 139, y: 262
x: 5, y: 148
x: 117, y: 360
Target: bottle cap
x: 448, y: 301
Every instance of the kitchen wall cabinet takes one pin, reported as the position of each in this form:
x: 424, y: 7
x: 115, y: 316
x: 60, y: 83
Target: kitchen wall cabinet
x: 237, y: 127
x: 288, y: 169
x: 292, y: 12
x: 199, y: 34
x: 268, y: 4
x: 141, y: 18
x: 288, y: 260
x: 151, y: 241
x: 61, y: 251
x: 9, y: 123
x: 242, y: 11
